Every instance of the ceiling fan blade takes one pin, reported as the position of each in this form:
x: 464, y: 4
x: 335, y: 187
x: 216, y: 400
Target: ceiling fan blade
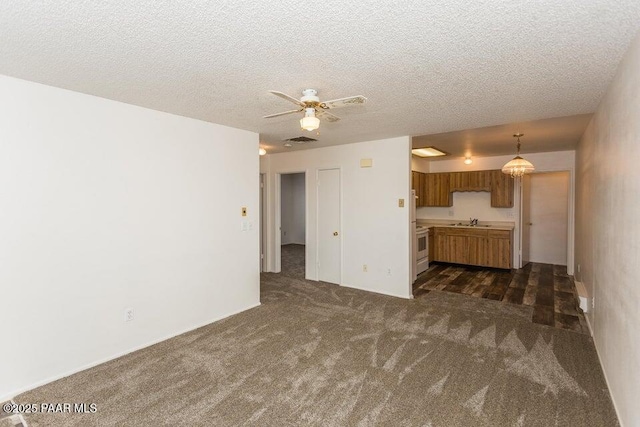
x: 287, y: 97
x: 282, y: 114
x: 343, y: 102
x: 326, y: 116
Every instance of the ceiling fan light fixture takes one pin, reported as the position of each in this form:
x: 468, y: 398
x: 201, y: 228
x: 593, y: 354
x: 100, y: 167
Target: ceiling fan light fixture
x: 310, y: 122
x: 518, y: 166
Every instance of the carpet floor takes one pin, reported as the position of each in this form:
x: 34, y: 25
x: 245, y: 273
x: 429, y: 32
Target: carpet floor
x: 292, y: 260
x: 322, y: 355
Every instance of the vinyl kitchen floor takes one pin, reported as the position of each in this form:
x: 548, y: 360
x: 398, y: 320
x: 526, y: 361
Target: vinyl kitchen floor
x: 545, y: 287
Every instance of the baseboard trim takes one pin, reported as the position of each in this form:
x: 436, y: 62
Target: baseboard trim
x: 389, y: 294
x: 604, y: 372
x: 15, y: 393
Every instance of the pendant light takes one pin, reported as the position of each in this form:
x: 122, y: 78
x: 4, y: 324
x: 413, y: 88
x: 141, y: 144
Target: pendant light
x: 518, y: 166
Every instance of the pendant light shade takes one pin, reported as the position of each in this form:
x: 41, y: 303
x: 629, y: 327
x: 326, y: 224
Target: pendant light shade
x: 518, y: 166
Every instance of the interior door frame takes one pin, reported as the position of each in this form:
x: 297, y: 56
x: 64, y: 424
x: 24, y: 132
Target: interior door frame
x: 278, y: 217
x: 570, y: 217
x: 523, y: 226
x: 317, y: 231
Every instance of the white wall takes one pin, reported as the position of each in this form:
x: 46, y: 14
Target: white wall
x: 478, y: 205
x: 375, y: 231
x: 106, y: 206
x: 608, y: 232
x: 419, y: 164
x: 292, y: 202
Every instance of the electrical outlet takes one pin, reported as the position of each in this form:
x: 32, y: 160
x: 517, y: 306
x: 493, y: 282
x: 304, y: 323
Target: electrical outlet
x: 450, y: 212
x: 128, y: 314
x: 388, y: 272
x: 578, y: 268
x: 365, y: 268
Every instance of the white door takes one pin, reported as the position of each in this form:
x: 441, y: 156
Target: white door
x: 526, y: 219
x: 549, y: 210
x: 262, y: 224
x: 329, y: 233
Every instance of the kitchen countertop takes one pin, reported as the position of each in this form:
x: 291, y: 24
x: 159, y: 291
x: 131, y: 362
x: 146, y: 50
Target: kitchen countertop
x: 482, y: 225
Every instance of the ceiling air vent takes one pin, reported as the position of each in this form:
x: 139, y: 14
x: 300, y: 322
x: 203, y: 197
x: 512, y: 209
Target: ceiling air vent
x: 300, y: 140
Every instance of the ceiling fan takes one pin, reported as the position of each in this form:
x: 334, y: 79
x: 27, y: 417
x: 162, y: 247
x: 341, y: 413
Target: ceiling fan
x: 314, y: 109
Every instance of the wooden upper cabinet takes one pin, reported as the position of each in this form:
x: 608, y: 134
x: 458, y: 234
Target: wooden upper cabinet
x: 415, y: 185
x: 470, y: 181
x: 458, y: 181
x: 501, y: 190
x: 438, y: 192
x: 423, y: 189
x: 418, y: 183
x: 434, y: 189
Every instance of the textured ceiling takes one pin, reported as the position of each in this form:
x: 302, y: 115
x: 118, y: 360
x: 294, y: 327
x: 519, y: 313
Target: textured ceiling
x: 425, y: 67
x: 556, y: 134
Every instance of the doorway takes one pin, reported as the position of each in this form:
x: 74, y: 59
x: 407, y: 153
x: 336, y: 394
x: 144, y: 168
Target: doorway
x: 292, y: 225
x: 545, y: 218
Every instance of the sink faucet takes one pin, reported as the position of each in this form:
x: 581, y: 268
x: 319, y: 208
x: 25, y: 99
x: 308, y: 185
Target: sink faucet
x: 473, y: 221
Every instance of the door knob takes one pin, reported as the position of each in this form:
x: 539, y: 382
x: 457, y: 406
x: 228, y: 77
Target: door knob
x: 530, y: 223
x: 335, y: 233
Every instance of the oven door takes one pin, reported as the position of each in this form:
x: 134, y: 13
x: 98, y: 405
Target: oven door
x: 422, y: 245
x: 422, y: 251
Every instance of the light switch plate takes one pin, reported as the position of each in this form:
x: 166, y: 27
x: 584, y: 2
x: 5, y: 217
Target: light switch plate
x: 244, y: 211
x: 401, y: 203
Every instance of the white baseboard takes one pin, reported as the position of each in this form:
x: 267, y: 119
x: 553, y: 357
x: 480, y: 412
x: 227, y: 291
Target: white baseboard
x: 53, y: 378
x: 604, y: 372
x: 390, y: 294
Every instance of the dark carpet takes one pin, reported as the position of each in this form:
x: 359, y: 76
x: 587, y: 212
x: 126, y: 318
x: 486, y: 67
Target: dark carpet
x: 292, y: 261
x: 321, y: 355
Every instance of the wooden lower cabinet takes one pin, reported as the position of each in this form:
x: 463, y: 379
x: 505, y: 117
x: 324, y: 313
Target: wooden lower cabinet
x: 499, y: 248
x: 432, y: 246
x: 487, y: 248
x: 477, y: 250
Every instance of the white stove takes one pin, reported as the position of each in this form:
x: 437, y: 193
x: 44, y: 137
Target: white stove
x: 422, y: 249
